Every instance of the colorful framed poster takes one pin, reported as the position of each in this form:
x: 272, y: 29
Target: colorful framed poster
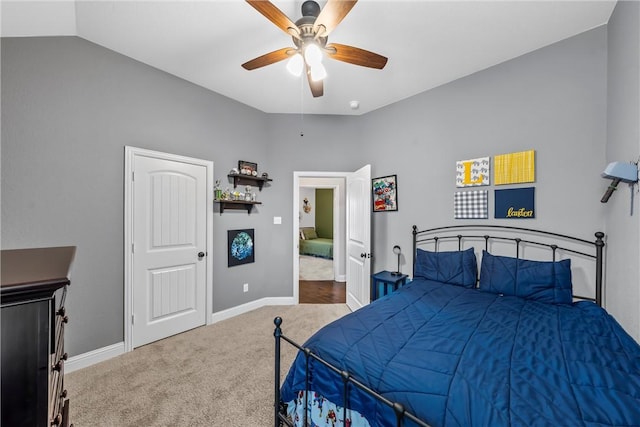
x: 241, y: 247
x: 472, y: 172
x: 514, y: 168
x: 385, y: 193
x: 471, y: 204
x: 516, y: 203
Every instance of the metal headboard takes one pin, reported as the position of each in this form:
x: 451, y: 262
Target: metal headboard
x: 593, y: 249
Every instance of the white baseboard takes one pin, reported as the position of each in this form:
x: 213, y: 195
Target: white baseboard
x: 92, y: 357
x: 341, y: 278
x: 244, y: 308
x: 105, y: 353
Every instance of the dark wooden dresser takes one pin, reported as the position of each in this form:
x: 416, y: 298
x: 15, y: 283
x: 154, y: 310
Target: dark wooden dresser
x: 33, y: 290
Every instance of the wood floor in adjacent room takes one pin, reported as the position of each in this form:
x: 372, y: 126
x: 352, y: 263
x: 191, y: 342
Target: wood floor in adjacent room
x: 322, y: 292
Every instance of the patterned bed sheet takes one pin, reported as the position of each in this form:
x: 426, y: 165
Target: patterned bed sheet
x: 322, y: 413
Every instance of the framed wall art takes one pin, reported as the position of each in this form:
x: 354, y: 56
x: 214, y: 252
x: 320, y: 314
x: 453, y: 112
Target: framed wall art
x: 471, y: 204
x: 385, y: 193
x: 247, y: 168
x: 241, y: 247
x: 514, y: 168
x: 516, y: 203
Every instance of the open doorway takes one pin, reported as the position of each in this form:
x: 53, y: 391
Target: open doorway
x: 317, y: 274
x: 320, y: 223
x: 352, y: 230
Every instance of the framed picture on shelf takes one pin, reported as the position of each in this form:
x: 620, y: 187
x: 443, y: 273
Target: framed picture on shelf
x: 385, y: 193
x: 241, y: 247
x: 247, y: 168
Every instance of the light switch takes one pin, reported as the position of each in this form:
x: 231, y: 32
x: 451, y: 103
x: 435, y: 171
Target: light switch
x: 277, y: 220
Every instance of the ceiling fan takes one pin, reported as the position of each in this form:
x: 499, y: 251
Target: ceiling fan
x: 310, y: 34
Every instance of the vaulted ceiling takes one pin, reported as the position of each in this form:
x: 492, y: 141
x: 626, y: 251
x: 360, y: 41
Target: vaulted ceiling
x: 428, y: 43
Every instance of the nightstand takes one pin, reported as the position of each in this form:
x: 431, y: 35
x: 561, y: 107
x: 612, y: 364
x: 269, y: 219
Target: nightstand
x: 385, y: 280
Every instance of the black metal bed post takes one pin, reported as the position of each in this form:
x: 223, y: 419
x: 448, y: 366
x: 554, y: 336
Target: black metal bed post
x: 307, y: 352
x: 399, y: 410
x: 599, y: 260
x: 345, y: 401
x: 277, y: 333
x: 415, y: 245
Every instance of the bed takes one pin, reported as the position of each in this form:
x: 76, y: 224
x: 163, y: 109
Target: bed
x: 311, y: 244
x: 513, y: 345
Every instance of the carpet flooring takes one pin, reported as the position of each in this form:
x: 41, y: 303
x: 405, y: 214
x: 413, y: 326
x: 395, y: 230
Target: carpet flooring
x: 314, y: 268
x: 219, y: 375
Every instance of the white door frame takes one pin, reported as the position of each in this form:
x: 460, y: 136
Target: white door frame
x: 130, y: 153
x: 296, y: 220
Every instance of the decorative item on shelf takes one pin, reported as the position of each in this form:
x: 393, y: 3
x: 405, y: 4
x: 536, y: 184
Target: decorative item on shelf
x: 217, y: 192
x: 234, y: 171
x: 254, y: 197
x: 397, y: 251
x: 226, y: 195
x: 247, y: 193
x: 247, y: 168
x: 265, y: 175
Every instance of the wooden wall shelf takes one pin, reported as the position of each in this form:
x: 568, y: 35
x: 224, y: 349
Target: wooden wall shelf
x: 239, y: 179
x: 236, y: 204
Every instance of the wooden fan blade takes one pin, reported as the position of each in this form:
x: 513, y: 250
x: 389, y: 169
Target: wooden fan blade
x: 317, y: 88
x: 331, y: 15
x: 355, y: 55
x: 269, y: 58
x: 275, y: 15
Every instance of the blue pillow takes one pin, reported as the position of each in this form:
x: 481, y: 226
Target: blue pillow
x: 544, y: 281
x: 456, y: 267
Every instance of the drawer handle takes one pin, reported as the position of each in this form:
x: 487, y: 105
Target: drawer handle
x: 65, y: 319
x: 64, y: 394
x: 64, y: 356
x: 61, y: 311
x: 58, y: 366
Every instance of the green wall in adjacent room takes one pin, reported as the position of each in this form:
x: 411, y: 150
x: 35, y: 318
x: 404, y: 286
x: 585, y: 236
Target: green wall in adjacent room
x: 324, y: 212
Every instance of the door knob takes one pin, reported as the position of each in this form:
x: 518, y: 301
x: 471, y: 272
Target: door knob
x: 200, y: 255
x: 363, y: 255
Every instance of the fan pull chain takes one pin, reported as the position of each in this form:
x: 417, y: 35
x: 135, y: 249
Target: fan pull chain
x: 301, y: 108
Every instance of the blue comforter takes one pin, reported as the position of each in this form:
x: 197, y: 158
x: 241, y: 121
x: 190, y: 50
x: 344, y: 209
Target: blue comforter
x: 461, y: 357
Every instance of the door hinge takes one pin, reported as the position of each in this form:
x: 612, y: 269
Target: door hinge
x: 133, y: 176
x: 133, y: 248
x: 133, y: 319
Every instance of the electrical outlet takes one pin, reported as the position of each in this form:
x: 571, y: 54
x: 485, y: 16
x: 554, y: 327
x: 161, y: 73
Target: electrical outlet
x: 246, y: 287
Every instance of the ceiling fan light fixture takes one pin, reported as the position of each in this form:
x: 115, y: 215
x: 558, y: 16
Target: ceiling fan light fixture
x: 310, y: 35
x: 295, y: 65
x: 312, y: 55
x: 318, y: 72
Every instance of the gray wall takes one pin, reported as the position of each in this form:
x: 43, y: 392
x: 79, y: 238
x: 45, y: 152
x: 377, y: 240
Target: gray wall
x: 623, y: 144
x: 552, y: 100
x: 69, y: 107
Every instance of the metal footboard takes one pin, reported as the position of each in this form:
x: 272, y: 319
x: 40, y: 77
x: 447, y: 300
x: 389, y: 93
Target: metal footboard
x: 280, y: 417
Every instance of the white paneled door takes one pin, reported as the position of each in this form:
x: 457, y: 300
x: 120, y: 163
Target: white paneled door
x: 359, y: 238
x: 169, y: 247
